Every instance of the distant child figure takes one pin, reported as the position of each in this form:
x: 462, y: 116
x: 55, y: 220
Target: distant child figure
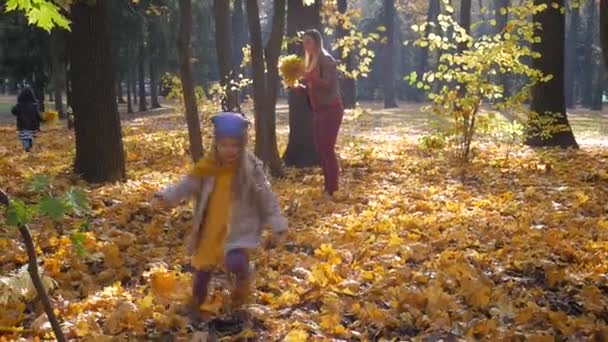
x: 28, y: 117
x: 235, y: 202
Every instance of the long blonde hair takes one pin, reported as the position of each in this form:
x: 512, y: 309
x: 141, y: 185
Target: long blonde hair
x: 244, y: 183
x: 312, y: 61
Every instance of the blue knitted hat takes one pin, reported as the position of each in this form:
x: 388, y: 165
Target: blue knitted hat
x: 229, y: 125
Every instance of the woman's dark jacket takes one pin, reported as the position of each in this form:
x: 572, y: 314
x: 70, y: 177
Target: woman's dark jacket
x: 26, y: 111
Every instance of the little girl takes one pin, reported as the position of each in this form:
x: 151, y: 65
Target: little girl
x: 235, y: 202
x: 28, y: 117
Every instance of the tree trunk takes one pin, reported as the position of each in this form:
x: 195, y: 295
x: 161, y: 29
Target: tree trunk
x: 300, y: 150
x: 548, y: 97
x: 501, y: 23
x: 141, y: 69
x: 120, y: 91
x: 38, y: 87
x: 586, y: 87
x: 604, y: 29
x: 129, y: 97
x: 571, y: 49
x: 240, y: 31
x: 348, y: 85
x: 99, y: 149
x: 153, y: 52
x: 57, y: 45
x: 423, y: 52
x: 223, y: 48
x: 185, y: 69
x: 465, y: 21
x: 598, y: 72
x: 389, y: 56
x: 265, y: 86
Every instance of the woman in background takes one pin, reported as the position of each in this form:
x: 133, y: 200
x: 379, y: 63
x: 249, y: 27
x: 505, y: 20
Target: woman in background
x: 323, y: 88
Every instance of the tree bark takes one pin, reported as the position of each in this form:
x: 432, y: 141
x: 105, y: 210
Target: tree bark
x: 120, y: 91
x: 99, y: 148
x: 223, y: 48
x: 240, y: 31
x: 185, y: 69
x: 57, y: 68
x: 588, y: 56
x: 604, y: 29
x: 300, y: 150
x: 423, y: 52
x: 571, y: 49
x: 129, y: 97
x: 501, y: 24
x: 141, y: 69
x: 153, y: 52
x: 548, y: 97
x: 348, y: 85
x: 389, y: 57
x: 265, y: 86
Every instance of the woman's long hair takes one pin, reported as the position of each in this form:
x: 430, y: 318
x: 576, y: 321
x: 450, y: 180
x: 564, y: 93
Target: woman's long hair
x: 311, y: 61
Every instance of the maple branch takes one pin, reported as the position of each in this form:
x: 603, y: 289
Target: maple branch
x: 33, y: 271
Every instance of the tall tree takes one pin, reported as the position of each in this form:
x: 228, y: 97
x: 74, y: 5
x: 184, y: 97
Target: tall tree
x: 588, y: 62
x: 58, y: 68
x: 604, y: 29
x: 598, y: 80
x: 571, y: 54
x: 99, y: 149
x: 348, y: 85
x: 223, y: 47
x: 239, y: 29
x: 141, y: 66
x: 548, y: 98
x: 501, y: 15
x: 185, y: 70
x: 266, y: 84
x: 423, y: 52
x: 390, y: 100
x: 300, y: 150
x: 154, y: 36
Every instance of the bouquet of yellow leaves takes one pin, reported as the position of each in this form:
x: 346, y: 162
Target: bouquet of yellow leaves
x: 50, y: 116
x: 291, y: 69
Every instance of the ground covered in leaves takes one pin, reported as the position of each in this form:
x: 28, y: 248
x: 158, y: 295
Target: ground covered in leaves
x: 414, y: 246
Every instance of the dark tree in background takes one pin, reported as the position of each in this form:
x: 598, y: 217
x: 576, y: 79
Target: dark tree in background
x: 571, y: 54
x: 502, y: 16
x: 423, y: 53
x: 597, y: 67
x: 604, y: 29
x: 141, y: 65
x: 586, y: 50
x: 57, y: 46
x: 239, y: 33
x: 548, y: 97
x: 266, y: 84
x: 300, y: 148
x: 185, y: 70
x: 223, y: 48
x: 99, y: 150
x: 389, y: 55
x: 154, y: 37
x: 348, y: 85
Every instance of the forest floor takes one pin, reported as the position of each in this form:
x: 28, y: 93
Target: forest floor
x: 414, y: 246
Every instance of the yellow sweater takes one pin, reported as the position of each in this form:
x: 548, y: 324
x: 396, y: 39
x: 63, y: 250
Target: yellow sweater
x: 210, y: 250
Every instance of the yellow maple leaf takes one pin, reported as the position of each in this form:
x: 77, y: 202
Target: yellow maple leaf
x: 296, y: 335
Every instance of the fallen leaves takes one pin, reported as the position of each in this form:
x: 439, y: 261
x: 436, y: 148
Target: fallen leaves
x: 412, y: 247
